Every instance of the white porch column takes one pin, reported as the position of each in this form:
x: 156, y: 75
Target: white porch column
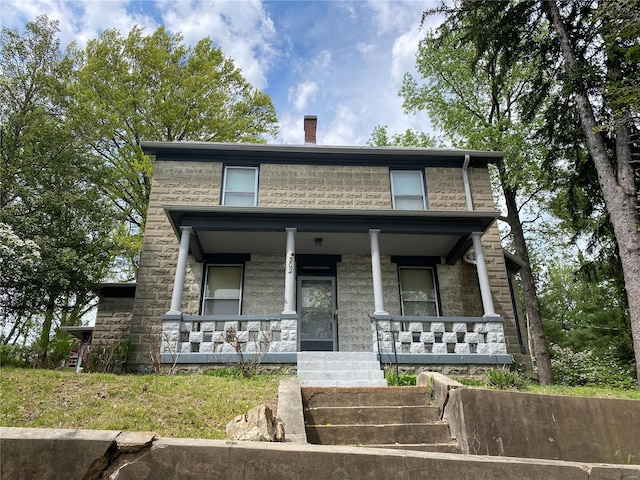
x: 376, y: 270
x: 483, y: 276
x: 181, y: 269
x: 290, y: 273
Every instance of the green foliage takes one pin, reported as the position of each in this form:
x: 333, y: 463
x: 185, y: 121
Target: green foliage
x: 153, y: 87
x: 587, y: 368
x: 50, y: 195
x: 16, y: 356
x: 410, y: 138
x: 404, y: 380
x: 504, y: 378
x: 107, y: 358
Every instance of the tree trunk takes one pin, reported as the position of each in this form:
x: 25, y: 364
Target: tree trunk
x: 618, y: 189
x: 43, y: 342
x: 531, y: 302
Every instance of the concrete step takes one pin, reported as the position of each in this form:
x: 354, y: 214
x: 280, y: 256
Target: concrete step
x: 340, y: 374
x: 405, y: 433
x: 343, y: 383
x: 337, y: 356
x: 372, y: 415
x: 338, y: 365
x: 313, y: 397
x: 450, y: 447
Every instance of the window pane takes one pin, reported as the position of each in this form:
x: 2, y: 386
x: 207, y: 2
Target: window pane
x: 240, y: 180
x: 420, y: 309
x: 224, y: 282
x: 240, y: 186
x: 409, y: 203
x: 407, y: 183
x: 221, y: 307
x: 240, y: 199
x: 417, y: 284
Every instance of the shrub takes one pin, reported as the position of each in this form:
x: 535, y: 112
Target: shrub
x: 586, y: 368
x: 16, y: 356
x: 403, y: 380
x: 106, y: 358
x: 503, y: 378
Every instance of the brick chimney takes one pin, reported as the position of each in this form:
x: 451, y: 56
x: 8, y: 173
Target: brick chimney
x: 310, y: 126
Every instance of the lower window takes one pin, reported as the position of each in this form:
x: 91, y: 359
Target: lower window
x: 418, y: 292
x: 222, y: 290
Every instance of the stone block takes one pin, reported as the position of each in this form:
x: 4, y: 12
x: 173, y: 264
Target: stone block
x: 427, y: 337
x: 472, y: 337
x: 242, y: 336
x: 288, y: 346
x: 459, y: 327
x: 253, y: 326
x: 275, y: 325
x: 195, y: 337
x: 417, y: 348
x: 493, y: 337
x: 497, y: 327
x: 288, y: 324
x: 462, y: 348
x: 439, y: 348
x: 170, y: 326
x: 415, y: 326
x: 405, y: 337
x: 206, y: 347
x: 437, y: 326
x: 384, y: 325
x: 480, y: 327
x: 449, y: 337
x: 229, y: 325
x: 208, y: 326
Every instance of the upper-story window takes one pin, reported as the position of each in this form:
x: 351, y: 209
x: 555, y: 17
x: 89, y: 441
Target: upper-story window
x: 240, y: 186
x: 407, y: 190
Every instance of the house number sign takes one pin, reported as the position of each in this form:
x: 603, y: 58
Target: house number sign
x: 290, y: 264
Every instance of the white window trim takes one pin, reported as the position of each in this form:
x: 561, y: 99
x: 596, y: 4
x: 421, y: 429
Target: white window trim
x: 433, y: 279
x: 206, y: 281
x: 255, y: 185
x: 422, y: 185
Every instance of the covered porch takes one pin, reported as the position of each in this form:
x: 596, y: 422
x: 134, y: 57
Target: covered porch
x: 311, y: 242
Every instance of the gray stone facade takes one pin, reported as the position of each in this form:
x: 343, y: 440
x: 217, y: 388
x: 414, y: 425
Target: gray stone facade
x: 198, y: 183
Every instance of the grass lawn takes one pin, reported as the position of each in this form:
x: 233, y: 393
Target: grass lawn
x: 195, y: 406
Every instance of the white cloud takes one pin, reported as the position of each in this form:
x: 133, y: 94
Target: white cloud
x: 242, y: 30
x: 301, y: 95
x: 403, y: 55
x: 365, y: 48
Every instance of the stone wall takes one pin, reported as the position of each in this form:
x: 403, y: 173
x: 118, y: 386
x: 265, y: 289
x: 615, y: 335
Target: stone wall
x: 112, y: 320
x: 324, y: 186
x: 314, y: 186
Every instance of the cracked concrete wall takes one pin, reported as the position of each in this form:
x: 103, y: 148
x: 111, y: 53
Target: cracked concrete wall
x: 69, y: 454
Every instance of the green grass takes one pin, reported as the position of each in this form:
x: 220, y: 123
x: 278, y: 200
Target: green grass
x: 195, y: 406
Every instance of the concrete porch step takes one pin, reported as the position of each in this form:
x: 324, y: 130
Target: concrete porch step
x: 361, y: 397
x: 340, y: 369
x: 405, y: 433
x: 393, y: 414
x: 341, y: 383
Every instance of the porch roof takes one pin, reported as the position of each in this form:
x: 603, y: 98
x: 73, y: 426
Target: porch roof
x: 223, y: 229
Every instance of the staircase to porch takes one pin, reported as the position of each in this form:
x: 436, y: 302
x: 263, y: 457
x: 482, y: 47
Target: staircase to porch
x: 387, y: 417
x: 340, y: 369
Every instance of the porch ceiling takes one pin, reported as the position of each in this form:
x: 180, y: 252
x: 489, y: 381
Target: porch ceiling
x: 220, y: 229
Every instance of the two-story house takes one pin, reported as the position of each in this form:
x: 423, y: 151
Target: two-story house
x: 309, y: 247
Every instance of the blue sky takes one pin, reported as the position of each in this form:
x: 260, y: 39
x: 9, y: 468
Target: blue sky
x: 340, y: 60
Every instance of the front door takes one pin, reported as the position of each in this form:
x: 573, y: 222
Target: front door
x: 317, y: 313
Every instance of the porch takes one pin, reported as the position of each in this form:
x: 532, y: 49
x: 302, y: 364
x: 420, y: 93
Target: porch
x: 312, y: 244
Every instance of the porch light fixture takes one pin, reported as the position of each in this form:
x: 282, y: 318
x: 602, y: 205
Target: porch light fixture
x: 318, y: 241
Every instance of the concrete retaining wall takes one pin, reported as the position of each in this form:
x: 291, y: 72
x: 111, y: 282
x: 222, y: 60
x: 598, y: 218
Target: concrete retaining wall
x: 514, y: 424
x: 80, y: 454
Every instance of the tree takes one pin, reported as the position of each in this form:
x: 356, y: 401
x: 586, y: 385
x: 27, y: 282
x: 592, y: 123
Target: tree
x: 475, y: 103
x: 50, y: 192
x: 590, y: 51
x: 152, y: 87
